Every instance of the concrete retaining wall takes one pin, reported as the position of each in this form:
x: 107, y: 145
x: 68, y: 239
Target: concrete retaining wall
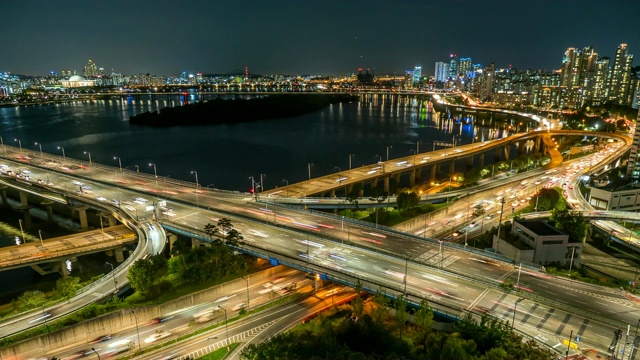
x: 47, y: 345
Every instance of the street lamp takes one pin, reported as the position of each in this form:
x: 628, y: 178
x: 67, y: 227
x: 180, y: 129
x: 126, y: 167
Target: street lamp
x: 115, y: 284
x: 19, y: 143
x: 40, y: 235
x: 155, y: 173
x: 247, y: 280
x: 94, y: 350
x: 88, y: 153
x: 253, y: 185
x: 287, y: 182
x: 63, y: 155
x: 451, y: 179
x: 309, y: 167
x: 379, y: 158
x: 515, y: 308
x: 22, y: 231
x: 226, y: 325
x: 262, y: 182
x: 388, y: 147
x: 337, y: 167
x: 40, y: 146
x: 119, y: 162
x: 137, y: 329
x: 350, y: 156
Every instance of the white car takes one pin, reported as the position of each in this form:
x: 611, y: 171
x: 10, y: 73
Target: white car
x: 157, y: 336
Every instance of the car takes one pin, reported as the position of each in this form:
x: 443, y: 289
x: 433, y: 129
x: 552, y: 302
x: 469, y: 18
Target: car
x: 490, y: 216
x: 115, y: 202
x: 157, y: 336
x: 473, y: 224
x: 101, y: 198
x: 102, y: 338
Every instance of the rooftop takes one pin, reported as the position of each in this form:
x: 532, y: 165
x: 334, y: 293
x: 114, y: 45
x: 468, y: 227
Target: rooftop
x: 539, y: 227
x: 620, y: 185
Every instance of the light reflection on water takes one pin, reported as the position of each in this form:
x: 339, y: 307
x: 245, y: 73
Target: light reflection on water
x: 227, y: 155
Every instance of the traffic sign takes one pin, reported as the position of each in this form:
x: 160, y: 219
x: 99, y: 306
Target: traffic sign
x: 274, y: 261
x: 323, y: 277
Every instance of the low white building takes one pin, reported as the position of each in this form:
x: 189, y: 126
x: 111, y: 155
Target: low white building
x: 616, y: 196
x: 537, y: 242
x: 77, y: 81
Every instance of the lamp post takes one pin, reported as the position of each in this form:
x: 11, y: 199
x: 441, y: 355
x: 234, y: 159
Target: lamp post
x: 137, y: 329
x: 226, y: 325
x: 337, y: 167
x: 418, y: 147
x: 88, y: 153
x: 19, y: 143
x: 253, y: 185
x: 209, y: 346
x: 287, y: 182
x: 197, y: 184
x: 119, y: 162
x: 451, y: 178
x: 40, y: 235
x: 94, y: 350
x: 262, y: 182
x: 40, y: 146
x: 22, y: 231
x: 115, y: 284
x: 309, y: 168
x: 155, y: 173
x: 248, y: 299
x: 388, y: 147
x: 515, y: 308
x: 350, y: 156
x: 63, y: 155
x: 379, y: 158
x: 635, y: 337
x: 137, y: 168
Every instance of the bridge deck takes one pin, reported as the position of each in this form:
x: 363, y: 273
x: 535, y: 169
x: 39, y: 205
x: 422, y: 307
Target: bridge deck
x: 397, y: 166
x: 65, y: 246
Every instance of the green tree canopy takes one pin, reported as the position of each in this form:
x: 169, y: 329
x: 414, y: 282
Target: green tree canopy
x: 548, y: 199
x: 66, y: 286
x: 573, y: 223
x: 407, y: 200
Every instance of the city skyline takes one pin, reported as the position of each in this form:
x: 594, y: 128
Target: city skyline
x: 311, y: 38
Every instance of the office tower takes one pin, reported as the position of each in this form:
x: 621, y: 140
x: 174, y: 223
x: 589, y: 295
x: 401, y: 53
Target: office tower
x: 442, y: 71
x: 465, y: 67
x: 453, y: 66
x: 417, y: 75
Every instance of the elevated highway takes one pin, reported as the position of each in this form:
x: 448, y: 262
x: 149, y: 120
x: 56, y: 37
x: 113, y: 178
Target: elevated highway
x: 450, y: 275
x: 65, y: 247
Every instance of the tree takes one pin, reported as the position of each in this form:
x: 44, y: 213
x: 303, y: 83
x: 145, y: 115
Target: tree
x: 380, y: 311
x: 572, y: 223
x: 548, y: 199
x: 30, y: 300
x: 423, y: 317
x: 407, y: 200
x: 66, y: 286
x: 401, y: 313
x: 145, y: 273
x: 357, y: 305
x: 354, y: 195
x: 234, y: 238
x: 225, y: 227
x: 210, y: 230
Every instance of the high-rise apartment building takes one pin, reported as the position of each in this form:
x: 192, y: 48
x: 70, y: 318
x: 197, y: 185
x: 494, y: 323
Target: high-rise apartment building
x: 633, y: 165
x: 465, y: 67
x: 91, y: 69
x: 617, y: 74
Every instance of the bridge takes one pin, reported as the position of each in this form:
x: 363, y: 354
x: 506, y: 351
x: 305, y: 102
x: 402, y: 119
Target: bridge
x: 64, y: 248
x: 413, y: 165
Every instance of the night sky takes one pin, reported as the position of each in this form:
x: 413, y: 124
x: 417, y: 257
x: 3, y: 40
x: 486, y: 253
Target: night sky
x: 331, y: 37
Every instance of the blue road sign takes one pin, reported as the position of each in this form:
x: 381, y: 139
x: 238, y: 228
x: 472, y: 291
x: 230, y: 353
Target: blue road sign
x: 274, y: 261
x: 323, y: 277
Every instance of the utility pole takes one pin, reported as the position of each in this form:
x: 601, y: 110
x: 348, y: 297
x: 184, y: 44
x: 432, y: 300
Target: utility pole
x: 501, y: 211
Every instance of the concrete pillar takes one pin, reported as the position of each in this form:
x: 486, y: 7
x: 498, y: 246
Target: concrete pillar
x: 48, y: 204
x: 412, y: 177
x: 63, y: 268
x: 119, y: 255
x: 349, y: 188
x: 171, y: 238
x: 507, y: 149
x: 432, y: 177
x: 82, y: 216
x: 332, y: 193
x: 3, y: 194
x: 195, y: 243
x: 396, y: 178
x: 361, y: 194
x: 386, y: 184
x: 374, y: 182
x: 537, y: 143
x: 419, y: 173
x: 452, y: 167
x: 23, y: 198
x: 482, y: 160
x: 109, y: 252
x: 470, y: 161
x: 26, y: 214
